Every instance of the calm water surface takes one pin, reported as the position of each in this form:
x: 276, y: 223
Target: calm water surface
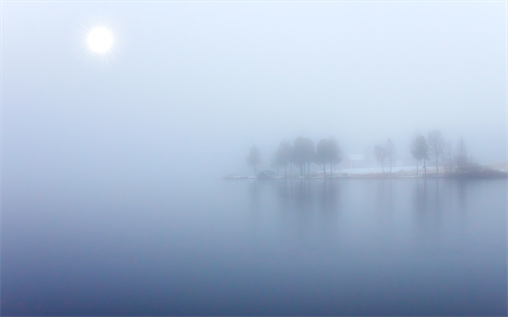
x: 341, y: 247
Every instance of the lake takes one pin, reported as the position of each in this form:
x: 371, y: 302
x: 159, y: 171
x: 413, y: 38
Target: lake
x: 247, y: 247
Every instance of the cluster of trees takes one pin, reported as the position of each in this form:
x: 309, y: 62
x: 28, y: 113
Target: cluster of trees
x: 301, y: 153
x: 435, y: 147
x: 383, y: 152
x: 254, y: 158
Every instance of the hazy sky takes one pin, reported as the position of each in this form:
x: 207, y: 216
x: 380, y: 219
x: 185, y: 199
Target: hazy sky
x: 191, y: 86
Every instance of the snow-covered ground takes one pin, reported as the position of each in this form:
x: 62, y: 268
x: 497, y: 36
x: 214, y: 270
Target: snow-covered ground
x: 401, y: 171
x: 377, y: 170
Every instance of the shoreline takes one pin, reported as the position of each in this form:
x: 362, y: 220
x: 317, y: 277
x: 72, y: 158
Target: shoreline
x: 481, y: 174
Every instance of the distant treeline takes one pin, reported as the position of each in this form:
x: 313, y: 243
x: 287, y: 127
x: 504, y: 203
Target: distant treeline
x: 302, y: 152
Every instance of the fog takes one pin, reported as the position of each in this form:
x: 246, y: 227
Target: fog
x: 188, y: 88
x: 113, y: 201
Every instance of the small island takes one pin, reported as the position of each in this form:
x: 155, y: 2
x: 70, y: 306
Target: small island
x: 430, y: 157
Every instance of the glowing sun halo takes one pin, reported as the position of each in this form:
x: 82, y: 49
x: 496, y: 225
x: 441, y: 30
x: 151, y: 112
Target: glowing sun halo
x: 100, y: 40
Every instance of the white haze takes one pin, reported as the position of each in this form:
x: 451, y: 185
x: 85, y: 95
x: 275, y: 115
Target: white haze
x: 190, y: 87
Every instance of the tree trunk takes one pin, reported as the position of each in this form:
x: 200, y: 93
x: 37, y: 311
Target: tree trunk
x: 416, y: 168
x: 437, y: 166
x: 425, y: 166
x: 324, y: 169
x: 382, y: 168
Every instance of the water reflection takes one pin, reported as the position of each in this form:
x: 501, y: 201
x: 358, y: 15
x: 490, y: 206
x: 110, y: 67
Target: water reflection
x: 295, y: 205
x: 379, y: 206
x: 436, y: 203
x: 440, y: 207
x: 317, y: 247
x: 421, y: 196
x: 303, y: 194
x: 254, y: 195
x: 462, y: 193
x: 329, y: 196
x: 384, y: 195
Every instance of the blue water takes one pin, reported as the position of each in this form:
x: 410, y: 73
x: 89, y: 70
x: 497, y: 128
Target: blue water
x: 341, y: 247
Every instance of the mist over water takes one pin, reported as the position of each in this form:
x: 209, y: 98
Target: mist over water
x: 191, y: 86
x: 414, y: 247
x: 113, y: 200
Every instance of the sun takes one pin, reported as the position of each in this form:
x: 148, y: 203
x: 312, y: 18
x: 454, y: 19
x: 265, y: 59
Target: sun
x: 100, y: 39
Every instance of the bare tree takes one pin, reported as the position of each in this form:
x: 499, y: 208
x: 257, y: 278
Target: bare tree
x: 420, y: 151
x: 335, y: 154
x: 390, y: 152
x: 447, y: 155
x: 283, y: 155
x: 436, y: 146
x: 380, y: 153
x: 254, y: 158
x: 461, y: 157
x: 328, y: 152
x: 303, y: 153
x: 323, y: 153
